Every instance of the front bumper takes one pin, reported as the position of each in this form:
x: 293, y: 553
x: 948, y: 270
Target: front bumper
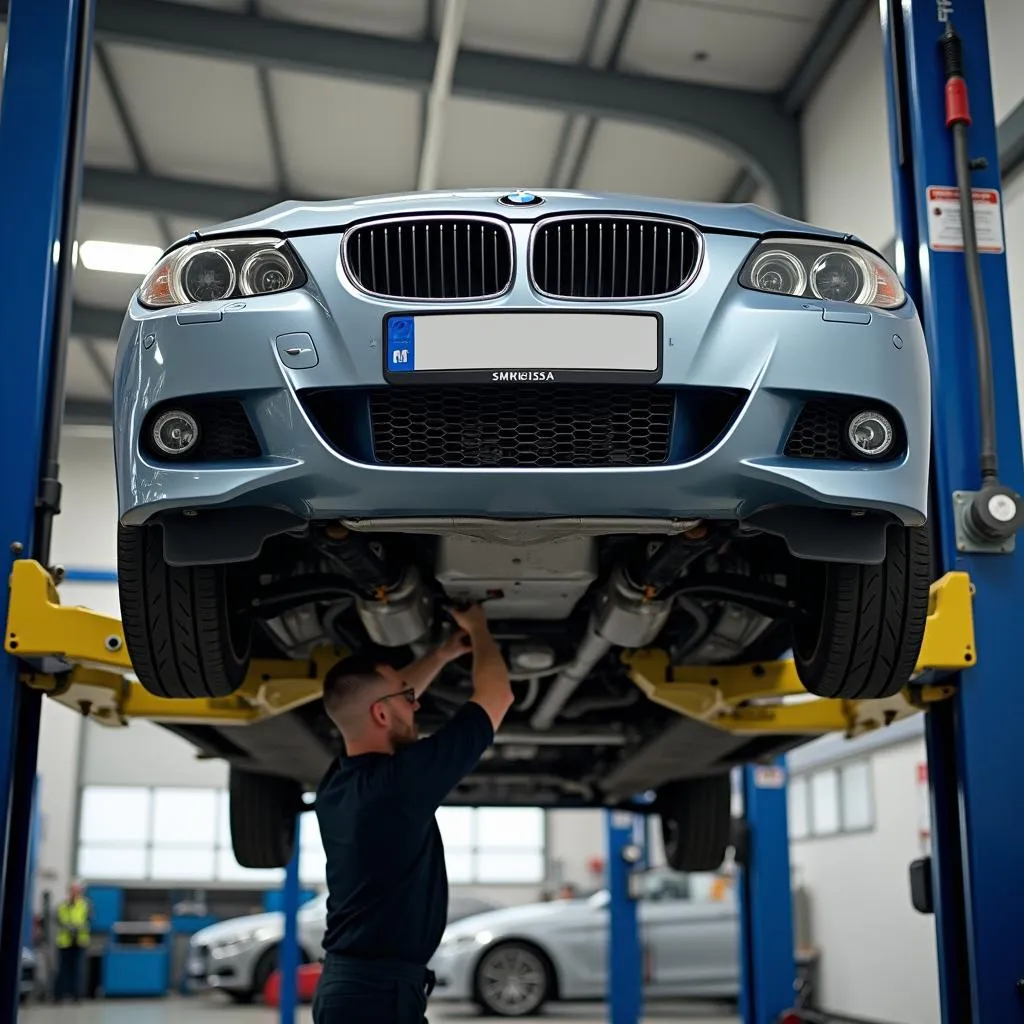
x: 228, y: 974
x: 777, y: 351
x: 453, y: 966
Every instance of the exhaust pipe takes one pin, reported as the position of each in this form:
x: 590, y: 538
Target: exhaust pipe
x: 623, y: 617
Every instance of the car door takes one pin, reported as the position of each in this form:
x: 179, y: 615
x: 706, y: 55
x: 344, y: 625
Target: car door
x: 578, y: 939
x: 690, y: 933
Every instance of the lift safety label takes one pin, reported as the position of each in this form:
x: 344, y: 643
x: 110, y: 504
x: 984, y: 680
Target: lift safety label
x: 769, y: 776
x: 945, y: 233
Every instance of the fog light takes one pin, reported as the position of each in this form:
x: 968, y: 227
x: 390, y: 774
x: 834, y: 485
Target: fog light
x: 175, y: 432
x: 870, y: 434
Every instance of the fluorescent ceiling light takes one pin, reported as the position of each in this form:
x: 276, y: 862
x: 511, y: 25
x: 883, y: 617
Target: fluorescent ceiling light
x: 118, y: 257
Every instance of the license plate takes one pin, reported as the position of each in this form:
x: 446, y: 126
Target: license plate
x: 522, y: 347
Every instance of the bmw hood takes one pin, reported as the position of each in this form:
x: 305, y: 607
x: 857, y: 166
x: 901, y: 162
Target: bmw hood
x: 298, y: 217
x: 236, y: 928
x: 508, y: 918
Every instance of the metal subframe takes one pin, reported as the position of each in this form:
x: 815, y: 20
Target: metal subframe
x: 973, y: 740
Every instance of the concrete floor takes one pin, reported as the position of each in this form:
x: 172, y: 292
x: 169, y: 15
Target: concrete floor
x: 214, y: 1011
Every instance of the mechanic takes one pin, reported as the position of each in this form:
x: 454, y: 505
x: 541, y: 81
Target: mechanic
x: 387, y: 903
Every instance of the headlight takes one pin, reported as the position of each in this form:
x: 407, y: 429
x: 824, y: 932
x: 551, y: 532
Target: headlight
x: 821, y: 270
x: 227, y: 269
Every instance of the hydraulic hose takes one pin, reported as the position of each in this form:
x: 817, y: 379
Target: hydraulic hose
x: 958, y: 120
x: 996, y: 511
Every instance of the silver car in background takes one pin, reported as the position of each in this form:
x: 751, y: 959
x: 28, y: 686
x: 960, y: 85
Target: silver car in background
x: 238, y: 956
x: 512, y: 961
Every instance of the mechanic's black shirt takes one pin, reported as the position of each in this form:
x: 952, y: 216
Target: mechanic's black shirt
x: 386, y: 878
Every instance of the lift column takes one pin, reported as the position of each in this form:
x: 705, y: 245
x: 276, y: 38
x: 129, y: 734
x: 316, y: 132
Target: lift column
x: 41, y: 130
x: 767, y: 966
x: 627, y: 854
x: 974, y: 739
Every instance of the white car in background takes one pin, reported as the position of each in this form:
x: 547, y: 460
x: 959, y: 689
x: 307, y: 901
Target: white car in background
x: 238, y: 956
x: 512, y: 961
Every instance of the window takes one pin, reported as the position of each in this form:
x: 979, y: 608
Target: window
x: 825, y: 803
x: 135, y: 833
x: 799, y: 827
x: 114, y: 831
x: 165, y: 834
x: 493, y: 845
x: 855, y: 800
x: 831, y: 801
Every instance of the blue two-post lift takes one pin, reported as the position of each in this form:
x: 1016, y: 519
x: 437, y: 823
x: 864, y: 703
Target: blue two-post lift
x: 973, y: 740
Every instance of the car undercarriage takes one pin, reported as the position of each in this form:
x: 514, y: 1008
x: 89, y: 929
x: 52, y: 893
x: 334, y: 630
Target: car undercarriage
x: 564, y: 598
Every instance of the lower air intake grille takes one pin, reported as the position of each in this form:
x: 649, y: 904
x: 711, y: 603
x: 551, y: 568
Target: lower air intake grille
x: 563, y: 426
x: 613, y: 257
x: 817, y: 433
x: 431, y: 257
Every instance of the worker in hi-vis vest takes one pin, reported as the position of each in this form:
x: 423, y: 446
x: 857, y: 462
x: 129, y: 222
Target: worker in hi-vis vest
x: 72, y: 940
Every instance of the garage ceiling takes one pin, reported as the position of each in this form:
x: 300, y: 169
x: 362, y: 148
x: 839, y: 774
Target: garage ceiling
x: 202, y: 110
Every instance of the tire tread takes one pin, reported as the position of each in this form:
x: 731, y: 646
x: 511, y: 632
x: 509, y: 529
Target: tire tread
x: 872, y: 622
x: 175, y: 621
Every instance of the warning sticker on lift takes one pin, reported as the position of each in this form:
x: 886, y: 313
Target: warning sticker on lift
x: 945, y: 233
x: 769, y: 776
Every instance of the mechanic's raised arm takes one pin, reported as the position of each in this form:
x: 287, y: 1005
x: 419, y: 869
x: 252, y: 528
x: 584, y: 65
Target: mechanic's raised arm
x: 491, y: 687
x: 433, y: 767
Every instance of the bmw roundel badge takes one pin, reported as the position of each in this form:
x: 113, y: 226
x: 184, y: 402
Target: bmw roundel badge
x: 520, y: 198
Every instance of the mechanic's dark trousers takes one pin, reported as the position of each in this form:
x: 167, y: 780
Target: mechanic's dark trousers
x: 69, y: 974
x: 355, y: 991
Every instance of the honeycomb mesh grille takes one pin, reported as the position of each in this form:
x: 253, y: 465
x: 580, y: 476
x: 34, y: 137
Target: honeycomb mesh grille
x: 613, y: 257
x: 548, y: 427
x: 431, y: 258
x: 227, y: 433
x: 817, y: 433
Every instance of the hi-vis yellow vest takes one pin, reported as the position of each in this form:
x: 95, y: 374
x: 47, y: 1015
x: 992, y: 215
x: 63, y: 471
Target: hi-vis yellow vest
x: 73, y: 924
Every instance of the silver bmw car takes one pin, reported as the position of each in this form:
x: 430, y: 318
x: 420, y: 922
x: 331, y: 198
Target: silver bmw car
x: 622, y: 422
x: 511, y: 962
x: 238, y: 956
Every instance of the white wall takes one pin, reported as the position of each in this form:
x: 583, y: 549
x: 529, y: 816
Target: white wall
x: 144, y: 754
x: 60, y: 732
x: 878, y: 955
x: 846, y: 142
x: 85, y: 533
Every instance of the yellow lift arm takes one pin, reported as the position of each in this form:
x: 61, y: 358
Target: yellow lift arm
x: 80, y: 660
x: 767, y: 697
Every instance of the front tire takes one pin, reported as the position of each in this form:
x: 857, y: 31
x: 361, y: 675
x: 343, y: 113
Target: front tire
x: 696, y: 822
x: 262, y: 812
x: 860, y: 627
x: 184, y: 634
x: 513, y: 979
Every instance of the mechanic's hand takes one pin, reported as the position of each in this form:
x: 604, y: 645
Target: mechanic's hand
x: 471, y: 619
x: 455, y: 646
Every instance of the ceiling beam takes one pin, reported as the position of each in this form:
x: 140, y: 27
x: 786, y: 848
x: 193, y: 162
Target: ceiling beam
x: 87, y: 412
x: 96, y: 322
x: 439, y: 94
x: 835, y: 31
x: 173, y: 197
x: 750, y: 126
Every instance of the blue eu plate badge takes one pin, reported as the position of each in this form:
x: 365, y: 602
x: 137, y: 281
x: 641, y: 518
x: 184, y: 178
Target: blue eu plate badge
x: 401, y: 344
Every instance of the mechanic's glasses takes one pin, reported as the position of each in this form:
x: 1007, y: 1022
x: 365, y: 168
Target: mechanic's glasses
x: 408, y: 693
